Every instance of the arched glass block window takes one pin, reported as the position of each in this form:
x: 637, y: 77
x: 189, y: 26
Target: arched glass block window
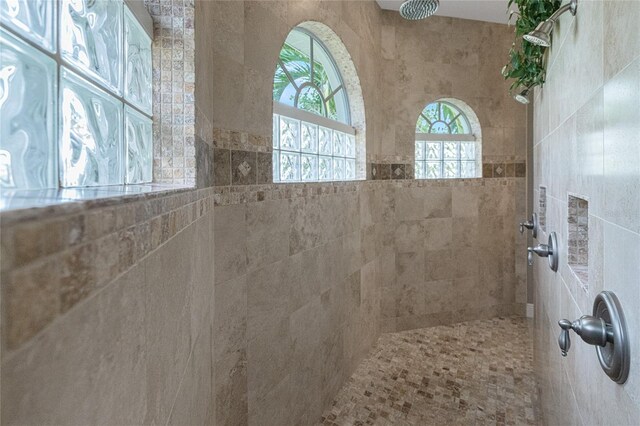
x: 313, y: 139
x: 75, y: 93
x: 446, y: 144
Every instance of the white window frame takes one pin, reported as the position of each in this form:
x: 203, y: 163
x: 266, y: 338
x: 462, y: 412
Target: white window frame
x: 291, y: 112
x: 436, y: 137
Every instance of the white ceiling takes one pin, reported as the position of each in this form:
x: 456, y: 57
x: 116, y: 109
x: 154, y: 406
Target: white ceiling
x: 479, y: 10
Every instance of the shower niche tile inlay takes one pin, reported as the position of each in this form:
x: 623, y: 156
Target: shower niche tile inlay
x: 578, y: 244
x: 542, y: 209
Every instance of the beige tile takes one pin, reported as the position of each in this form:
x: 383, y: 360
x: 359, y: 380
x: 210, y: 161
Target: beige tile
x: 621, y: 40
x: 268, y: 231
x: 230, y: 243
x: 622, y: 148
x: 97, y: 353
x: 168, y: 323
x: 193, y: 403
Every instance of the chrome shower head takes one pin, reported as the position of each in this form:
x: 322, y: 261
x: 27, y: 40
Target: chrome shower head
x: 522, y: 97
x: 541, y: 36
x: 418, y: 9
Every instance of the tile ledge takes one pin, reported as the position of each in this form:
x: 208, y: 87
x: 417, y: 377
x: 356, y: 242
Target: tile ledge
x: 24, y: 205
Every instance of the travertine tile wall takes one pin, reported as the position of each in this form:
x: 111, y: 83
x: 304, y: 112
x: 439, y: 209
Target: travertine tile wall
x: 297, y: 301
x: 587, y: 144
x: 107, y: 313
x: 445, y: 269
x: 307, y: 276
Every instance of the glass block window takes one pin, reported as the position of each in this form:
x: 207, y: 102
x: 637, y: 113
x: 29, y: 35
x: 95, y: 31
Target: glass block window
x: 308, y: 152
x: 445, y: 145
x: 75, y: 94
x: 312, y: 135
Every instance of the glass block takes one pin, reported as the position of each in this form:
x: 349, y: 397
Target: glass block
x: 451, y: 150
x: 420, y: 146
x: 34, y: 20
x: 276, y: 166
x: 433, y: 170
x: 139, y: 145
x: 350, y: 169
x: 28, y: 126
x: 309, y: 167
x: 91, y: 142
x: 91, y: 39
x: 467, y: 150
x: 350, y: 146
x: 289, y: 167
x: 338, y: 168
x: 451, y: 169
x: 325, y: 169
x: 275, y: 137
x: 419, y: 170
x: 137, y: 54
x: 468, y: 169
x: 309, y: 140
x: 325, y: 139
x: 338, y: 144
x: 433, y: 150
x: 289, y: 134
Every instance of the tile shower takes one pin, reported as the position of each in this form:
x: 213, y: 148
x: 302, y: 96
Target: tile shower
x: 242, y: 301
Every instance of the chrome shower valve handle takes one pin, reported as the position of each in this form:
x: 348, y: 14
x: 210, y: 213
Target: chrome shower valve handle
x: 528, y: 224
x: 546, y: 250
x: 531, y: 224
x: 606, y: 329
x: 592, y: 330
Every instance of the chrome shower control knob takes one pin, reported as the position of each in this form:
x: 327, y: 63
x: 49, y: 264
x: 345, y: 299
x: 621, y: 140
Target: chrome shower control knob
x: 531, y: 224
x: 606, y: 330
x: 546, y: 250
x: 592, y: 330
x: 524, y: 225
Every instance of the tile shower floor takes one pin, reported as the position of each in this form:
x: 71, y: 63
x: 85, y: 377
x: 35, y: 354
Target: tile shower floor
x: 472, y: 373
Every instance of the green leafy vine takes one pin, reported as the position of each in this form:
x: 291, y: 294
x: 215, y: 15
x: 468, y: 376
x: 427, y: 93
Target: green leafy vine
x: 526, y: 61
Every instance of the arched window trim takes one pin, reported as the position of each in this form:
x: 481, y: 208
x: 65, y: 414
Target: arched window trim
x: 471, y: 136
x: 341, y: 86
x: 342, y: 133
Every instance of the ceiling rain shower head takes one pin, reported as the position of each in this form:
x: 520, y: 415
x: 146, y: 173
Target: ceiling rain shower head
x: 541, y: 36
x: 418, y: 9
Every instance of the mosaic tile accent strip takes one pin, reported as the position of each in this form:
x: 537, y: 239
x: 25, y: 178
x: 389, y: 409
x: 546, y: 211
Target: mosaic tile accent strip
x: 78, y: 252
x: 578, y: 244
x: 384, y: 171
x: 240, y: 194
x: 173, y: 49
x: 542, y: 208
x: 477, y: 372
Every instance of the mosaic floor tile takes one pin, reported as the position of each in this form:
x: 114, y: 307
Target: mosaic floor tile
x: 472, y: 373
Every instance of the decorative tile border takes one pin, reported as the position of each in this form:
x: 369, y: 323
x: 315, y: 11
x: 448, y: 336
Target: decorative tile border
x: 230, y: 195
x: 393, y: 171
x: 384, y: 171
x: 504, y: 169
x: 49, y: 265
